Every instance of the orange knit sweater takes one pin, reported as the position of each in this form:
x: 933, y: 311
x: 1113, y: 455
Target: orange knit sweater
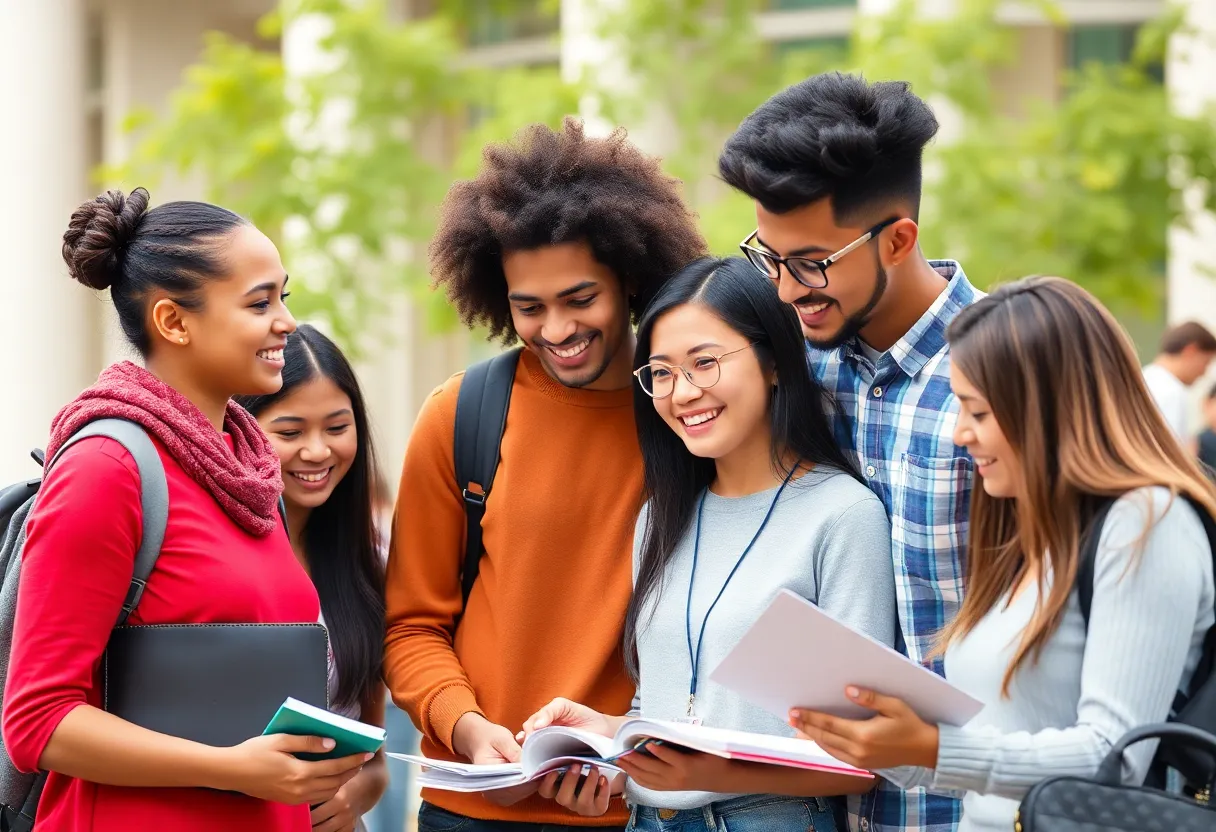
x: 544, y: 618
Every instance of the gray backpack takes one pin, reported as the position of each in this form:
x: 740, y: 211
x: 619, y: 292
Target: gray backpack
x: 19, y: 793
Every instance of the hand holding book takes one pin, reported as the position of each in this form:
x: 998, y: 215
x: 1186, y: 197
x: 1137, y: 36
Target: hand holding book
x: 558, y: 748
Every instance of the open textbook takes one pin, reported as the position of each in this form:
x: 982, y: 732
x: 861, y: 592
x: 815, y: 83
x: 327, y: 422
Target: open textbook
x: 798, y: 656
x: 559, y: 747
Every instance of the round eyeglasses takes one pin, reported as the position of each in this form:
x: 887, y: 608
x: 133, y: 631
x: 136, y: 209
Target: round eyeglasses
x: 658, y: 378
x: 811, y: 273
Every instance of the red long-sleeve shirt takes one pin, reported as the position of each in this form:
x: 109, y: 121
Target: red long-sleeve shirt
x: 79, y: 556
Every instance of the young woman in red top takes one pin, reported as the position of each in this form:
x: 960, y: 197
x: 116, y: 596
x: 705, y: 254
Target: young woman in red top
x: 199, y: 293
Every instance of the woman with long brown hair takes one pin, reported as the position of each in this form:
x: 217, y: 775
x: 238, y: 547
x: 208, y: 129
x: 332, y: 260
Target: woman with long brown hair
x: 1056, y: 414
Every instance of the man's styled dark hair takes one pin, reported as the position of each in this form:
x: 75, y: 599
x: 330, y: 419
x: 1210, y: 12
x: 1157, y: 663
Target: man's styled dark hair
x: 1178, y: 338
x: 832, y: 135
x: 559, y: 186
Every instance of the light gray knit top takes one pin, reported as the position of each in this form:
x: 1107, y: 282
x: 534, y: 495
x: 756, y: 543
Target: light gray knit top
x: 1064, y: 712
x: 828, y: 540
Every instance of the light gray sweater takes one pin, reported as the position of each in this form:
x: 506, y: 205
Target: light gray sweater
x: 828, y: 540
x: 1150, y: 611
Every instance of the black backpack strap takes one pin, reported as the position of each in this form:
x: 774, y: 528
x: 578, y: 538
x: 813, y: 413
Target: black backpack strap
x: 1085, y: 588
x: 1207, y: 659
x: 1088, y: 556
x: 481, y: 418
x: 23, y: 819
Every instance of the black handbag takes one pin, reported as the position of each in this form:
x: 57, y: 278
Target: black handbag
x: 1103, y: 802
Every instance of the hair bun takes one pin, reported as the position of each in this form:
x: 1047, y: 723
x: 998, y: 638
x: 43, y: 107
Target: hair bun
x: 97, y: 237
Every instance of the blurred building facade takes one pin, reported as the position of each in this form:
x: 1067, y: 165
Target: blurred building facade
x: 84, y: 64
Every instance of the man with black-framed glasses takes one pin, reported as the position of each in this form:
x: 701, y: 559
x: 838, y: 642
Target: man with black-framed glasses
x: 834, y: 166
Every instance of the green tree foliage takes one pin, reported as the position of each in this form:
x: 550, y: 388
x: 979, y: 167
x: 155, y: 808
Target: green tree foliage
x: 344, y: 165
x: 1078, y: 187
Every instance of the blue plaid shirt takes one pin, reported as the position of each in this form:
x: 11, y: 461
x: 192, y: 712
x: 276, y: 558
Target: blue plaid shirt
x: 898, y: 425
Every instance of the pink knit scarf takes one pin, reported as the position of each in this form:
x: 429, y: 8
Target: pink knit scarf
x: 245, y: 480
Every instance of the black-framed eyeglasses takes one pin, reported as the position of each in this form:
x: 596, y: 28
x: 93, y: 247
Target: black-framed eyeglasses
x: 658, y: 378
x: 809, y: 272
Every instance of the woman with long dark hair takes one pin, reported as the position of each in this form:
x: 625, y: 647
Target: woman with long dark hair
x: 1059, y: 420
x: 317, y: 422
x: 747, y: 495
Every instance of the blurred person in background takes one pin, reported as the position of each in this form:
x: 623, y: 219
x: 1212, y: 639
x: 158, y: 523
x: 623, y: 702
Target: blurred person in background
x: 559, y: 242
x: 317, y: 422
x: 200, y: 295
x: 1206, y: 441
x: 1186, y: 351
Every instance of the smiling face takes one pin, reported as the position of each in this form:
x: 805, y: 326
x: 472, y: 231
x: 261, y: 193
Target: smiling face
x: 731, y: 416
x: 977, y: 430
x: 313, y: 430
x: 234, y: 340
x: 856, y: 283
x: 572, y: 312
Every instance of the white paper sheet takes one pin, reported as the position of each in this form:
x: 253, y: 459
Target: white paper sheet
x: 796, y: 655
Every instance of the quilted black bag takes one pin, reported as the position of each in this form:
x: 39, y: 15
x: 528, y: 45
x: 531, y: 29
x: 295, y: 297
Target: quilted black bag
x: 1103, y: 802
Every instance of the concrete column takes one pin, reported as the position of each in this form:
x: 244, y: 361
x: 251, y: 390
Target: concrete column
x: 47, y: 333
x: 1191, y: 269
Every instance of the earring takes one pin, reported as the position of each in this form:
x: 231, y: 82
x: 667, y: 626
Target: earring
x: 182, y: 340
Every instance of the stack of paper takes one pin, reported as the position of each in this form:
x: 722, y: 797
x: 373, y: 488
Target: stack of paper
x: 465, y: 777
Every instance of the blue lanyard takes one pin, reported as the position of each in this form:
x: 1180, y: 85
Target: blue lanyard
x: 694, y: 655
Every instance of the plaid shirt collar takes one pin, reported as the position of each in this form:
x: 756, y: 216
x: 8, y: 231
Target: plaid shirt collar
x: 927, y: 337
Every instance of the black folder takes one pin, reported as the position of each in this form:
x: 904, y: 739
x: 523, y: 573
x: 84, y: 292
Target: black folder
x: 218, y: 684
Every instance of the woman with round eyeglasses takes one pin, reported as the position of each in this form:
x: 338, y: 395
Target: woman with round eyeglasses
x: 748, y: 494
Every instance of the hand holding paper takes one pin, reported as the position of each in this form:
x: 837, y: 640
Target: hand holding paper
x: 894, y: 737
x: 796, y: 656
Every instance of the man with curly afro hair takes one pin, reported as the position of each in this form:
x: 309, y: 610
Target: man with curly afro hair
x: 558, y: 243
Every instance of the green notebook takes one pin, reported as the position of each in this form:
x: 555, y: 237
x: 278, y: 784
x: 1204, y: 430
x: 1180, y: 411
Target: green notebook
x: 302, y: 719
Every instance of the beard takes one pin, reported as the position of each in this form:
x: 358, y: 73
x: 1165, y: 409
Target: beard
x: 854, y: 323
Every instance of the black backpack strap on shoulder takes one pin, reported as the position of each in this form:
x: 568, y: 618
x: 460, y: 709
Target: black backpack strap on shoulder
x: 481, y: 418
x: 1206, y: 668
x: 1088, y: 556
